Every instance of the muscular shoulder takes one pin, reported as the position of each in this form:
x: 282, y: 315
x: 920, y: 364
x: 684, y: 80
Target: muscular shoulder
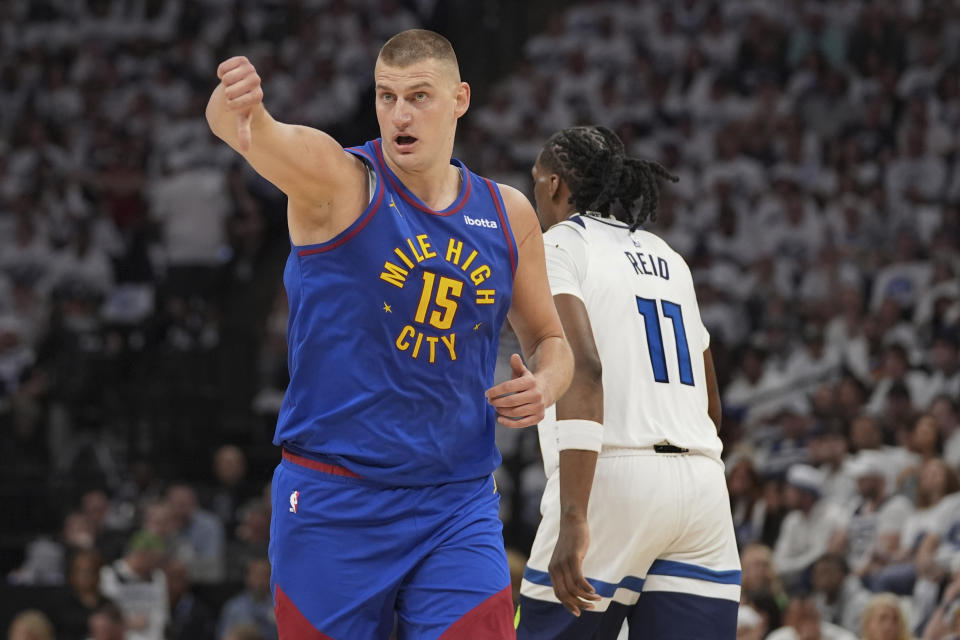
x: 518, y: 207
x: 520, y: 213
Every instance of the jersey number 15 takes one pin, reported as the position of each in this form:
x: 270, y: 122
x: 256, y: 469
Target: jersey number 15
x: 648, y: 309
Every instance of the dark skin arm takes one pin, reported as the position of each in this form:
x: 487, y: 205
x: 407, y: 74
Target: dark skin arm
x: 522, y: 400
x: 583, y: 400
x: 713, y: 392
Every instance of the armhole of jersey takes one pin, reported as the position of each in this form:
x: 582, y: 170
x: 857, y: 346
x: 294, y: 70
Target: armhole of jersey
x: 373, y: 176
x: 374, y: 180
x: 579, y: 227
x: 512, y: 248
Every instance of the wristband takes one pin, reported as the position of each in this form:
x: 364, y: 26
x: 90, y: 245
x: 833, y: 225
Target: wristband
x: 579, y: 434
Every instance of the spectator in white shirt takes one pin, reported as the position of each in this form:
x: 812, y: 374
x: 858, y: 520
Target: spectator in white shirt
x: 936, y: 489
x: 946, y: 415
x: 873, y: 529
x: 807, y: 530
x: 750, y: 624
x: 829, y: 449
x: 839, y: 596
x: 754, y: 386
x: 802, y: 622
x: 895, y: 369
x: 137, y: 584
x: 916, y: 176
x: 944, y: 378
x: 201, y: 531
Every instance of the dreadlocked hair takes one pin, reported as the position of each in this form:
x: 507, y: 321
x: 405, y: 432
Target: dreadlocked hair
x: 602, y: 178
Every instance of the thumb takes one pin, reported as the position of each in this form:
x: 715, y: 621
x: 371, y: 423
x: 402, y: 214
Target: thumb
x: 517, y: 366
x: 243, y: 130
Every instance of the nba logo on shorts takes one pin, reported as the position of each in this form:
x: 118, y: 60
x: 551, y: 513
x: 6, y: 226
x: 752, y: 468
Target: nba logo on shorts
x: 294, y: 499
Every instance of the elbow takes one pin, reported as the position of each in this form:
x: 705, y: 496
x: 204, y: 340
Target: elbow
x: 590, y: 371
x: 588, y: 377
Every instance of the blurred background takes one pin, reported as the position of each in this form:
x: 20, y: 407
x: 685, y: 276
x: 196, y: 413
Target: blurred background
x: 143, y: 318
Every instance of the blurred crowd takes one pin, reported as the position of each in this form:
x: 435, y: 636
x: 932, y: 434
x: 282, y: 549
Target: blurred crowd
x: 819, y: 208
x: 142, y: 321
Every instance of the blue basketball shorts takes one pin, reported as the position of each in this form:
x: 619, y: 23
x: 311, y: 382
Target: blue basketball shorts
x: 350, y: 558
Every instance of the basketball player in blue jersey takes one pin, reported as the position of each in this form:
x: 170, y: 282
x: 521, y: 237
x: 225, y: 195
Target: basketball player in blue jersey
x: 403, y: 267
x: 655, y: 545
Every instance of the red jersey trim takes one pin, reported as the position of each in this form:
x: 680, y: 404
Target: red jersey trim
x: 316, y: 465
x: 291, y: 623
x: 411, y: 200
x: 354, y: 228
x: 492, y: 619
x: 511, y: 243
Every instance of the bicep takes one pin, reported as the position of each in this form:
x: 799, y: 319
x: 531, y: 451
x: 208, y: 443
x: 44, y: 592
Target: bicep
x: 532, y: 314
x: 306, y: 164
x: 584, y: 397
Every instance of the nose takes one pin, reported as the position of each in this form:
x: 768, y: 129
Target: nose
x: 401, y: 114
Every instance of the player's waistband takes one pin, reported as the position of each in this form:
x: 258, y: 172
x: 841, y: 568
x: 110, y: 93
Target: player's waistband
x: 317, y: 465
x: 661, y: 448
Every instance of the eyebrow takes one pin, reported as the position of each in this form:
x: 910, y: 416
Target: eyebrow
x: 419, y: 85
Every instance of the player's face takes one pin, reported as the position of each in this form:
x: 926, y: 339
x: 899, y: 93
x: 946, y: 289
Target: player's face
x: 417, y: 108
x: 545, y: 186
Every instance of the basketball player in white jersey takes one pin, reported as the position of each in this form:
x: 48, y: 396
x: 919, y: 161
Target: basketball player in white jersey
x: 635, y: 435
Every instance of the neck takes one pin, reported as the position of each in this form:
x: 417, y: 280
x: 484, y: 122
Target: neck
x: 437, y: 186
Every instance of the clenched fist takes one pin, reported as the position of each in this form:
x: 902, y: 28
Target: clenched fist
x: 241, y: 88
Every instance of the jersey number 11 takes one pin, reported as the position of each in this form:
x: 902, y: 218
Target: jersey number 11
x: 648, y: 309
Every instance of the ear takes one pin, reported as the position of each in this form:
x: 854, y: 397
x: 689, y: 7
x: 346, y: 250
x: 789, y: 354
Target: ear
x: 462, y: 98
x: 559, y: 191
x: 554, y: 186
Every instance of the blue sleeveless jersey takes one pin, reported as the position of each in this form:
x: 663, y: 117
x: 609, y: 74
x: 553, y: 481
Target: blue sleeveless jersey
x: 393, y: 334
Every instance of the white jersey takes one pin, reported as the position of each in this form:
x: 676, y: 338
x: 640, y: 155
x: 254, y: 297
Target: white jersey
x: 639, y: 295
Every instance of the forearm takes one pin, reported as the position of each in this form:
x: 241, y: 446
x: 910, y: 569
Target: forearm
x: 577, y: 468
x: 714, y: 408
x: 583, y: 400
x: 551, y: 362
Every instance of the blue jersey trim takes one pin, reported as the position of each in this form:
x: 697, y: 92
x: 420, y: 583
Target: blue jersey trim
x: 609, y: 222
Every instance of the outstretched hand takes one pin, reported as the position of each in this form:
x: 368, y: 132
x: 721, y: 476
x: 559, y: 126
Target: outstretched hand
x: 520, y: 401
x: 241, y: 88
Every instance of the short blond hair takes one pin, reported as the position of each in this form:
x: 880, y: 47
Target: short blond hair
x: 415, y: 45
x: 878, y: 602
x: 36, y: 625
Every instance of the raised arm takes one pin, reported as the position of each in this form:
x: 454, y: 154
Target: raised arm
x: 319, y: 178
x: 534, y: 319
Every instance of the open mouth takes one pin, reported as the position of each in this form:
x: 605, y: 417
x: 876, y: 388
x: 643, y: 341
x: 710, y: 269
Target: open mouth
x: 404, y: 140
